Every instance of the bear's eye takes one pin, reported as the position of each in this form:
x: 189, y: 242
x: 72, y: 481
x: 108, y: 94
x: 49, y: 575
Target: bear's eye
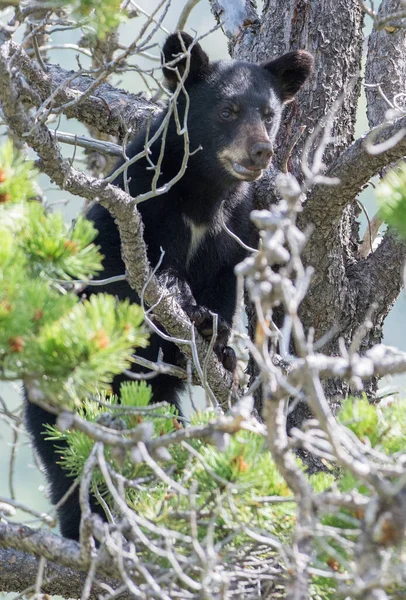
x: 268, y: 117
x: 226, y: 114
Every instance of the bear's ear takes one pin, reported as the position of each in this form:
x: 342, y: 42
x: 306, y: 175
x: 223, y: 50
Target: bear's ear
x: 175, y: 45
x: 290, y: 71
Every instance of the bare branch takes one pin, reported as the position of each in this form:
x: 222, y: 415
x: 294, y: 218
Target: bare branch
x: 18, y: 505
x: 354, y: 168
x: 127, y: 439
x: 184, y: 15
x: 65, y: 573
x: 39, y: 542
x: 380, y: 360
x: 89, y: 144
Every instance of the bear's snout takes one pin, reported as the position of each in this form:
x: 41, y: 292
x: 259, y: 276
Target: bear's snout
x: 261, y: 153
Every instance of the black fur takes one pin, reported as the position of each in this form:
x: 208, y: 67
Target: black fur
x: 235, y: 111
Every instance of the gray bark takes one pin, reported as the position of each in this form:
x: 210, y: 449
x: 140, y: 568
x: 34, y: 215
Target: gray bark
x: 20, y: 569
x: 66, y: 565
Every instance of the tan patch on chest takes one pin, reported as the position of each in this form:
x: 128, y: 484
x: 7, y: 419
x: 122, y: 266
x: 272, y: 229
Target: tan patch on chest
x: 197, y: 234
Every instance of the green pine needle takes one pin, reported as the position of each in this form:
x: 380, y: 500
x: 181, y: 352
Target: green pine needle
x: 57, y: 251
x: 391, y: 195
x: 17, y: 176
x: 104, y: 15
x: 90, y: 344
x: 70, y: 348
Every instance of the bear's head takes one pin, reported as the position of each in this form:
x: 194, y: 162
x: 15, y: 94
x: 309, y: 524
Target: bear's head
x: 234, y: 107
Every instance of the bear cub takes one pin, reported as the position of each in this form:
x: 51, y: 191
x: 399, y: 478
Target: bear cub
x: 234, y: 112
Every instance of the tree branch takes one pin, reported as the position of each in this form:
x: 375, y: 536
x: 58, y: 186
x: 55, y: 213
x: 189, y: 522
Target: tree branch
x: 380, y: 275
x: 66, y: 567
x: 380, y: 360
x: 237, y: 19
x: 108, y: 109
x: 40, y: 542
x: 88, y: 143
x: 184, y: 15
x: 324, y: 210
x: 354, y: 168
x: 20, y: 570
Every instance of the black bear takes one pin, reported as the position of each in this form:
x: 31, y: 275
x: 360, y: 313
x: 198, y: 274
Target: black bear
x: 235, y: 109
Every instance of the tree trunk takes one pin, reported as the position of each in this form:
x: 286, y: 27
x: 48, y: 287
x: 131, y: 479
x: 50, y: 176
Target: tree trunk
x: 344, y: 285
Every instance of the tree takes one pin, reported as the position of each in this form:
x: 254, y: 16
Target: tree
x: 346, y: 529
x: 346, y: 282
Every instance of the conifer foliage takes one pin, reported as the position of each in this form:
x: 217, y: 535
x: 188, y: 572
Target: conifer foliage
x: 69, y: 347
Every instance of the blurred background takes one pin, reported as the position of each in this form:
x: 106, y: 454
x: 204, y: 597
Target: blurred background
x: 28, y: 483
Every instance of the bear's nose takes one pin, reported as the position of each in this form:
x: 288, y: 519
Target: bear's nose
x: 261, y: 153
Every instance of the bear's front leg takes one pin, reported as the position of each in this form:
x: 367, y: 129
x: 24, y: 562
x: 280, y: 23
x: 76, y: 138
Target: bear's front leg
x: 202, y: 317
x: 203, y: 320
